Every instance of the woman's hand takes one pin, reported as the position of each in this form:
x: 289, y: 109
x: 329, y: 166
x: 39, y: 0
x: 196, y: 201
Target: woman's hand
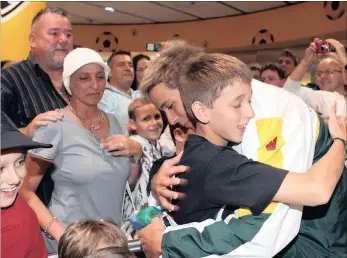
x: 121, y: 145
x: 164, y: 180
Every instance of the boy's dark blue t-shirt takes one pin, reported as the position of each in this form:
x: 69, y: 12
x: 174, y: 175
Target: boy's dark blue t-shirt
x: 220, y: 176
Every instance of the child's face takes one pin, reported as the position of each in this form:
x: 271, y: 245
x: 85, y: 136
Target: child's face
x: 230, y: 114
x: 148, y: 122
x: 13, y: 171
x: 169, y: 100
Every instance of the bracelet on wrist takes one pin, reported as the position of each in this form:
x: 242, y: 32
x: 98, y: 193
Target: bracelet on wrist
x: 340, y: 139
x: 45, y: 230
x: 136, y: 161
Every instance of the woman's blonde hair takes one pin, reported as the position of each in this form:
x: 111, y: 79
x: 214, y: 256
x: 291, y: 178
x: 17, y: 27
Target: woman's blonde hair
x: 82, y: 238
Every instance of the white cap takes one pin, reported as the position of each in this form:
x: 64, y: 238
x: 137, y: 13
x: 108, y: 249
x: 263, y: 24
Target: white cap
x: 80, y: 57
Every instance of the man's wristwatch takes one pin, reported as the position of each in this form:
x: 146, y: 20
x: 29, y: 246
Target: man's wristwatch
x: 135, y: 161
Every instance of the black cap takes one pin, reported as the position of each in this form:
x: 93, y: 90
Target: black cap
x: 12, y: 138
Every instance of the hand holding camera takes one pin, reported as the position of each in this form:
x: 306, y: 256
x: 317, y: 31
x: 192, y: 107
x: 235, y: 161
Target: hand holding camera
x: 340, y: 50
x: 322, y: 46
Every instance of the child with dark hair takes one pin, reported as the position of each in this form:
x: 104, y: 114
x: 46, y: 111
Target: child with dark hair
x: 272, y: 74
x: 288, y: 61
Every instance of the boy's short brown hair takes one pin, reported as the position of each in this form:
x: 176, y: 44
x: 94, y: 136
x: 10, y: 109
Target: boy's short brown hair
x: 82, y: 238
x: 112, y: 252
x: 166, y: 67
x: 205, y: 76
x: 137, y: 103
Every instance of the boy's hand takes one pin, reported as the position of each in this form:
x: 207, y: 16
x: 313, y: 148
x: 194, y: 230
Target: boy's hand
x: 163, y: 181
x: 151, y: 237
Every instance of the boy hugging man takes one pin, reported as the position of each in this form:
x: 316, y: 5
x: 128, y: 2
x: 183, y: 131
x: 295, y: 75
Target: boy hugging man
x: 145, y: 125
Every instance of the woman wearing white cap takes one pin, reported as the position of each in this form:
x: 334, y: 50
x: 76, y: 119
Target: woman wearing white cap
x: 92, y: 156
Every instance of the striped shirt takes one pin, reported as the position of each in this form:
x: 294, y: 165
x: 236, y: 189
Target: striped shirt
x: 27, y: 91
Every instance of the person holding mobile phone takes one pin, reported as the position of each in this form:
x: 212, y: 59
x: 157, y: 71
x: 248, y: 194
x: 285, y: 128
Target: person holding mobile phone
x: 329, y: 77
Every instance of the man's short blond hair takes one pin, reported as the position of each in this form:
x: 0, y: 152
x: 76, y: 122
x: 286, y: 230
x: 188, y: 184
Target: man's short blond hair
x: 166, y: 67
x: 205, y: 76
x: 82, y: 238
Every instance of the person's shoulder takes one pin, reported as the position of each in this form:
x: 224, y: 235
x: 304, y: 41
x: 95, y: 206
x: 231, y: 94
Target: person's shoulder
x: 15, y: 68
x: 21, y: 209
x: 227, y: 156
x: 10, y: 75
x: 53, y: 127
x: 199, y: 149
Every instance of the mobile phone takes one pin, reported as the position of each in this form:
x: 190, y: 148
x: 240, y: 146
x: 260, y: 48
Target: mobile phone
x: 322, y: 47
x: 153, y: 47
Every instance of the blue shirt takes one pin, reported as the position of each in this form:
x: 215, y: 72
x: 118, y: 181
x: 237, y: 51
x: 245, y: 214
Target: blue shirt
x: 116, y: 102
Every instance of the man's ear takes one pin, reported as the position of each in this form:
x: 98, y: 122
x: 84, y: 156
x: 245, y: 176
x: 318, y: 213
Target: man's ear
x: 32, y: 40
x: 200, y: 112
x: 179, y: 135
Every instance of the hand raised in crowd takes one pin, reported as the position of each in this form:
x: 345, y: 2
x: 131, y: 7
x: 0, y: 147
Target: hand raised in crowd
x: 121, y: 145
x: 337, y: 124
x: 151, y: 238
x: 41, y: 120
x: 309, y: 54
x: 340, y: 50
x: 163, y: 180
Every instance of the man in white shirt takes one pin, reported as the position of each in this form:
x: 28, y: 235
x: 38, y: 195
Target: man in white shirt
x: 118, y: 94
x: 329, y: 77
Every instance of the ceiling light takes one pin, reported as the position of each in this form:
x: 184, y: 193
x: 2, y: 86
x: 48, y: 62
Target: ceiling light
x: 109, y: 9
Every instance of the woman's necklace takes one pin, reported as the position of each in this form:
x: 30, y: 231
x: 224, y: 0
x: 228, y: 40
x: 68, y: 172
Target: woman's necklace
x: 91, y: 127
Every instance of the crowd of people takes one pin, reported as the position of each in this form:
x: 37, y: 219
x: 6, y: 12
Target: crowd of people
x: 246, y: 160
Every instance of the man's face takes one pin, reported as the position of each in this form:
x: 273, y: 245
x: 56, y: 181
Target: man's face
x: 329, y: 75
x: 287, y: 64
x: 52, y: 39
x: 230, y: 114
x: 122, y: 71
x: 169, y: 100
x: 13, y: 171
x: 272, y: 77
x: 142, y: 65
